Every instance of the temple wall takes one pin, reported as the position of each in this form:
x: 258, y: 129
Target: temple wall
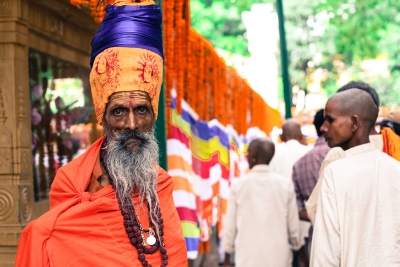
x: 59, y: 30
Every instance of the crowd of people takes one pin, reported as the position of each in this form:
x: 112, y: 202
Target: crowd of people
x: 347, y: 186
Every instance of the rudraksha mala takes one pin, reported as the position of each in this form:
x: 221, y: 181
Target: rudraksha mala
x: 132, y: 227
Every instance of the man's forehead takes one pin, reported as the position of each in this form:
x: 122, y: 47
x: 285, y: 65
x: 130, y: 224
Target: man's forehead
x: 137, y: 96
x: 333, y: 108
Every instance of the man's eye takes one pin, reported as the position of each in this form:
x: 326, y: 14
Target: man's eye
x: 117, y: 111
x: 142, y: 110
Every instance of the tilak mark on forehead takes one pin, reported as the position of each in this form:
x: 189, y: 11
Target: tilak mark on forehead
x: 128, y: 97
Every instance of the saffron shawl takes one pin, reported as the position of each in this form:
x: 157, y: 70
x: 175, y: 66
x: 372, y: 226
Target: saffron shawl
x: 84, y: 229
x: 391, y: 143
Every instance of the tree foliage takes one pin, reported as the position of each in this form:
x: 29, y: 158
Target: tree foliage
x: 327, y: 36
x: 220, y: 22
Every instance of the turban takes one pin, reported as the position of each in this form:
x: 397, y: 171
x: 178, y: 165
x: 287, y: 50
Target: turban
x: 127, y: 53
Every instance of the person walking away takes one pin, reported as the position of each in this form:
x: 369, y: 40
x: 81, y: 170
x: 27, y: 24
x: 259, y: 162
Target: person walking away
x: 286, y: 155
x: 262, y: 214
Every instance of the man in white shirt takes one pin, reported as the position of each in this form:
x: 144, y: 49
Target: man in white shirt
x: 290, y: 151
x: 286, y: 155
x: 357, y: 221
x: 262, y: 214
x: 338, y: 153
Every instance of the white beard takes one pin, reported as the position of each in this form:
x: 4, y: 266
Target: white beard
x: 134, y: 171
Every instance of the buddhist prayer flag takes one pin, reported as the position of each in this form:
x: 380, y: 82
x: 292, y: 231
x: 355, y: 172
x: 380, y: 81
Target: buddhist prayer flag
x: 203, y: 159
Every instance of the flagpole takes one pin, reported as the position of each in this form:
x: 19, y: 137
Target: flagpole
x: 287, y: 90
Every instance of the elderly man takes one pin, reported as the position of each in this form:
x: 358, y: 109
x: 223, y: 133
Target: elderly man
x: 113, y: 205
x: 357, y: 214
x: 262, y: 214
x: 338, y: 153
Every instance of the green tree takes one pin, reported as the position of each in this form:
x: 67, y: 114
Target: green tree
x: 220, y: 22
x: 344, y: 32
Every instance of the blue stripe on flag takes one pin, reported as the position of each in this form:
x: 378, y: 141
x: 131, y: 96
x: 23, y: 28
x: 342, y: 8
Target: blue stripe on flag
x: 192, y: 243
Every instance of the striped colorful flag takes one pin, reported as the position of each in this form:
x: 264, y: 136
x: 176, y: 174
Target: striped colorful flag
x: 203, y: 159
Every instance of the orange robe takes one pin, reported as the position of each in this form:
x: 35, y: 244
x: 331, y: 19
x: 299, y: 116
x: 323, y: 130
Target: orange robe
x: 84, y: 229
x: 391, y: 143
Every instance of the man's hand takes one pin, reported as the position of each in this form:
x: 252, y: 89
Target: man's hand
x: 227, y: 260
x: 303, y: 215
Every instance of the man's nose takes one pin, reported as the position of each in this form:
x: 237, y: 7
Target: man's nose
x: 131, y: 124
x: 323, y: 128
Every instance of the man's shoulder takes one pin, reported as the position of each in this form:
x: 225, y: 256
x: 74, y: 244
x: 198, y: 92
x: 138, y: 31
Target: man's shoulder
x: 279, y: 178
x: 296, y: 146
x: 249, y: 180
x: 344, y: 164
x: 322, y: 148
x: 165, y: 180
x: 338, y: 161
x: 335, y: 154
x: 313, y: 154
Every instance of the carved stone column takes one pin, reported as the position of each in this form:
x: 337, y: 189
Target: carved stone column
x: 16, y: 187
x: 52, y: 27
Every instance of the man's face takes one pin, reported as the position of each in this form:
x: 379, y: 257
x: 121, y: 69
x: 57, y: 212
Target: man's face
x: 337, y: 127
x: 129, y: 111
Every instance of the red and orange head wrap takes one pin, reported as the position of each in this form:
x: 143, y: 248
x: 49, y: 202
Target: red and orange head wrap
x: 127, y: 53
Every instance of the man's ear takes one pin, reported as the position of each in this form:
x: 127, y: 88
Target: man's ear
x: 355, y: 123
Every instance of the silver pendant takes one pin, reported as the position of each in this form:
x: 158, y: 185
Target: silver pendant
x: 151, y: 240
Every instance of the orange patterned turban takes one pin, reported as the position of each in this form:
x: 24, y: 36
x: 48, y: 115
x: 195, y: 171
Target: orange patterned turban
x: 127, y: 53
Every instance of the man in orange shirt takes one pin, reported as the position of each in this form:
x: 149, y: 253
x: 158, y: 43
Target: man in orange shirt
x: 113, y: 205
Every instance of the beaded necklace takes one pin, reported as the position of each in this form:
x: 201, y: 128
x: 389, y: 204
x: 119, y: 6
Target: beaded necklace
x: 150, y: 240
x: 133, y: 225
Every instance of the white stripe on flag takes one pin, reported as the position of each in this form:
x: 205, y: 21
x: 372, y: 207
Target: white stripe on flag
x: 177, y: 148
x: 215, y: 173
x: 192, y: 255
x: 206, y: 189
x: 224, y: 188
x: 181, y: 173
x: 184, y: 199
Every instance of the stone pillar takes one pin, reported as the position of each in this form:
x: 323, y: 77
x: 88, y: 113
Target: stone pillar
x: 16, y: 187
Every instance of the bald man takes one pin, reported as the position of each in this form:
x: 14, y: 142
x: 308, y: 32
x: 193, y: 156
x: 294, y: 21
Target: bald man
x: 286, y: 155
x: 262, y: 214
x: 338, y: 153
x: 290, y: 151
x: 357, y: 221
